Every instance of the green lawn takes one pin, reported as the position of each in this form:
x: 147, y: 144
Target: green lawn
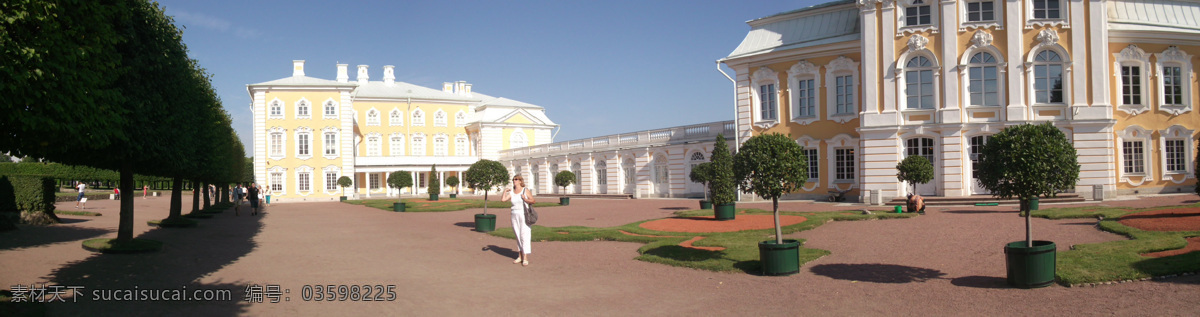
x: 444, y: 204
x: 1122, y: 259
x: 741, y: 248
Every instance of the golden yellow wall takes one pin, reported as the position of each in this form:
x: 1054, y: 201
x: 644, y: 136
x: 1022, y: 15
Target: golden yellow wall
x: 385, y: 129
x: 290, y: 124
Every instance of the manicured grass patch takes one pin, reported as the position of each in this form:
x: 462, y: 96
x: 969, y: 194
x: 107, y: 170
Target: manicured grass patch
x: 741, y: 247
x: 108, y: 245
x: 174, y: 223
x: 78, y: 213
x: 1121, y: 260
x: 446, y: 205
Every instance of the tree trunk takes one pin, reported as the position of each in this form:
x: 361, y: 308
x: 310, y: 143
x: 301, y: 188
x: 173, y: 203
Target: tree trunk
x: 176, y: 198
x: 224, y: 193
x: 778, y: 230
x: 1028, y: 229
x: 207, y: 201
x: 195, y: 196
x: 485, y: 202
x: 125, y: 224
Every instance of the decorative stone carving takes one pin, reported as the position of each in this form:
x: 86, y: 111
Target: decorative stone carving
x: 1133, y: 52
x: 1047, y: 37
x: 803, y: 67
x: 1173, y: 52
x: 917, y: 42
x: 842, y: 62
x: 764, y: 73
x: 981, y: 39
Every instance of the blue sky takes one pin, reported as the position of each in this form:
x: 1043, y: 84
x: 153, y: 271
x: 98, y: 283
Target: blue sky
x: 598, y: 67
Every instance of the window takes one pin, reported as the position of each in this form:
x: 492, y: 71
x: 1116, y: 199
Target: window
x: 764, y: 85
x: 1047, y: 77
x: 1131, y: 84
x: 439, y: 145
x: 920, y: 146
x: 845, y: 95
x: 578, y: 170
x: 302, y: 144
x: 517, y: 140
x: 1175, y: 81
x: 1172, y: 85
x: 460, y: 119
x: 396, y: 118
x: 439, y: 118
x: 696, y: 159
x: 917, y: 14
x: 330, y: 144
x: 840, y: 88
x: 372, y: 117
x: 630, y: 172
x: 1175, y: 155
x: 807, y: 97
x: 662, y: 175
x: 331, y: 181
x: 814, y: 170
x: 601, y: 173
x: 373, y: 180
x: 844, y: 159
x: 981, y: 11
x: 976, y: 152
x: 302, y: 110
x: 460, y: 145
x: 919, y: 79
x: 330, y: 109
x: 983, y: 80
x: 304, y: 182
x: 421, y: 180
x: 373, y: 145
x: 277, y: 144
x: 277, y: 182
x: 418, y: 118
x: 803, y: 80
x: 418, y: 145
x: 1134, y: 157
x: 396, y: 145
x: 275, y: 110
x: 766, y: 93
x: 1047, y: 9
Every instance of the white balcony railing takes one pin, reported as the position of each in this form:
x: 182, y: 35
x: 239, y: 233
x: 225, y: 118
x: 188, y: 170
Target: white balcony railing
x: 706, y: 132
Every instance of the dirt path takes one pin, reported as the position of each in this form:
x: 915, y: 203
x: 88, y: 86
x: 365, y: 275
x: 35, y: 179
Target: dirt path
x: 948, y: 262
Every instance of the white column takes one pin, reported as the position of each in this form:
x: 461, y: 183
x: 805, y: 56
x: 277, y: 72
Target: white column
x: 870, y: 59
x: 951, y: 111
x: 1101, y: 107
x: 889, y: 58
x: 1079, y: 54
x: 1016, y: 80
x: 441, y: 179
x: 415, y: 178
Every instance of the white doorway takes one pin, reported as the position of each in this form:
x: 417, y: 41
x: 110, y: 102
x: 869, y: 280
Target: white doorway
x: 924, y: 148
x: 975, y: 150
x: 601, y: 177
x: 629, y: 172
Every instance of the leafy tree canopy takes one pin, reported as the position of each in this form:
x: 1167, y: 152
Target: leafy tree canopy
x: 564, y: 179
x: 721, y: 183
x: 1028, y: 160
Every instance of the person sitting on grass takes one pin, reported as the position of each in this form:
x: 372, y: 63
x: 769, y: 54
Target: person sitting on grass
x: 916, y: 203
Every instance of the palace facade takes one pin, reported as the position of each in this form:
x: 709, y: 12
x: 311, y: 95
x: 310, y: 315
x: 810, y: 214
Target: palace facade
x: 308, y: 132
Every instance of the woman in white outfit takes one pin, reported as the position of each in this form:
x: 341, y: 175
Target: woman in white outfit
x: 518, y: 216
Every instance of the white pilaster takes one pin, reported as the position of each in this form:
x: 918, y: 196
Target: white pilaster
x: 1017, y: 111
x: 951, y: 110
x: 1101, y: 107
x: 1079, y: 73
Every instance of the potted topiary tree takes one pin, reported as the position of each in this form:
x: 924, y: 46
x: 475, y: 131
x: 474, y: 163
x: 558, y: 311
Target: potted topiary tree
x: 485, y: 175
x: 435, y: 187
x: 399, y: 180
x: 721, y: 182
x: 453, y: 182
x: 701, y: 174
x: 344, y: 182
x: 770, y: 165
x: 564, y: 179
x: 914, y: 169
x: 1027, y: 161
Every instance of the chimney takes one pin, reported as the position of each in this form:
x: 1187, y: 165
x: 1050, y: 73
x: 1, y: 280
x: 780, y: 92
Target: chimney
x: 342, y: 77
x: 297, y: 68
x: 467, y: 89
x: 458, y: 87
x: 362, y: 74
x: 389, y: 74
x: 448, y: 87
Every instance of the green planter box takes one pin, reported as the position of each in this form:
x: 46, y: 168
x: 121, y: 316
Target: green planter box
x: 779, y: 259
x: 342, y: 198
x: 453, y: 195
x: 704, y: 204
x: 433, y: 197
x: 1030, y: 267
x: 725, y: 212
x: 563, y: 201
x: 1032, y: 202
x: 398, y: 207
x: 485, y: 223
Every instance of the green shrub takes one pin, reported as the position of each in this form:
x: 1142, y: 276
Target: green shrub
x: 721, y: 184
x: 434, y: 186
x: 915, y: 169
x: 564, y: 179
x: 32, y: 195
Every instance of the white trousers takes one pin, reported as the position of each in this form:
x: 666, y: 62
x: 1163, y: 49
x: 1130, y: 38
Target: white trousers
x: 521, y: 230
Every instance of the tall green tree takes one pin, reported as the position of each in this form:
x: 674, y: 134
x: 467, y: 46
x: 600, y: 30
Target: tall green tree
x: 486, y: 175
x: 722, y: 185
x: 1027, y: 161
x: 398, y: 180
x: 564, y: 179
x: 914, y: 169
x: 770, y: 165
x: 435, y: 185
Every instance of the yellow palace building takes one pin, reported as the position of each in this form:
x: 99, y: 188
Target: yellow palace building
x: 308, y: 132
x: 863, y: 84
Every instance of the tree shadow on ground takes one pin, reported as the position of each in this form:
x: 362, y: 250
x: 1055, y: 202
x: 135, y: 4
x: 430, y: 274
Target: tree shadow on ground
x: 33, y: 236
x: 969, y: 211
x: 977, y: 281
x: 1169, y: 265
x: 1162, y: 216
x: 680, y: 253
x: 465, y: 224
x: 186, y: 258
x: 877, y: 273
x: 505, y: 252
x: 675, y: 208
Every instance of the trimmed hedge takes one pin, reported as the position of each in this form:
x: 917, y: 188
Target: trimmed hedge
x: 32, y: 195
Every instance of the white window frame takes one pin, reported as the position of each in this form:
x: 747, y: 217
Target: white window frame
x: 1047, y: 40
x: 1178, y: 133
x: 277, y: 176
x: 842, y: 142
x: 418, y: 118
x: 439, y: 118
x: 272, y: 142
x: 1135, y: 133
x: 396, y: 147
x: 418, y: 144
x: 518, y: 139
x: 917, y: 47
x: 374, y: 145
x: 275, y: 109
x: 810, y: 144
x: 328, y: 104
x: 1132, y: 55
x: 303, y: 109
x: 1062, y: 21
x: 902, y: 17
x: 373, y: 117
x: 331, y: 186
x: 920, y: 93
x: 304, y: 151
x: 803, y: 71
x: 841, y: 66
x: 662, y: 170
x: 396, y: 118
x: 461, y: 145
x: 600, y: 172
x: 301, y: 172
x: 1174, y: 57
x: 983, y: 45
x: 330, y: 151
x: 374, y: 181
x: 441, y: 144
x: 762, y: 77
x: 460, y: 119
x: 997, y: 21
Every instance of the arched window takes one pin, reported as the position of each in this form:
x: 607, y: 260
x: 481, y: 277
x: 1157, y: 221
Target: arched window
x: 918, y: 76
x: 983, y: 77
x: 765, y: 85
x: 275, y: 110
x: 578, y: 170
x: 553, y: 173
x: 1048, y: 77
x: 302, y: 109
x: 418, y: 118
x: 460, y: 119
x: 517, y: 140
x: 397, y: 145
x: 439, y: 145
x: 630, y: 173
x: 372, y: 117
x: 840, y: 89
x: 460, y: 145
x: 439, y: 118
x: 602, y: 176
x: 396, y: 118
x: 696, y: 159
x: 418, y: 144
x: 536, y: 174
x: 1175, y: 80
x: 803, y: 80
x: 662, y: 175
x: 330, y: 109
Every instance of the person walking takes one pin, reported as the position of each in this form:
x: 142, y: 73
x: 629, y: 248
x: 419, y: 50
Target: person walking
x: 262, y: 196
x: 79, y: 199
x: 238, y: 194
x: 145, y: 190
x: 253, y: 192
x: 520, y: 229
